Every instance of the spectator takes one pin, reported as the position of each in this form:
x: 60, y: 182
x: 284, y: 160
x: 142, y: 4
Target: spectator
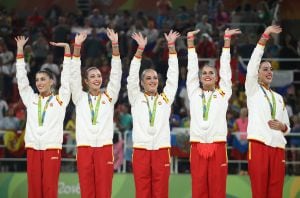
x: 118, y: 150
x: 10, y: 122
x: 236, y: 15
x: 53, y: 13
x: 40, y: 50
x: 204, y: 26
x: 93, y: 48
x: 3, y: 107
x: 249, y: 16
x: 240, y: 143
x: 175, y: 120
x: 70, y: 137
x: 163, y: 7
x: 151, y: 33
x: 200, y: 9
x: 97, y: 20
x: 54, y: 68
x: 289, y: 50
x: 123, y: 21
x: 182, y: 20
x: 125, y: 118
x: 246, y: 47
x: 263, y: 12
x: 206, y: 47
x: 160, y: 56
x: 5, y: 24
x: 222, y: 17
x: 6, y: 68
x: 61, y: 33
x: 104, y: 67
x: 35, y: 19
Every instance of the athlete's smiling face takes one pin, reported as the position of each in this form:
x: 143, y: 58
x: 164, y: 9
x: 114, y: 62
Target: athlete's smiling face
x: 208, y: 76
x: 150, y: 81
x: 93, y: 79
x: 265, y: 73
x: 43, y: 83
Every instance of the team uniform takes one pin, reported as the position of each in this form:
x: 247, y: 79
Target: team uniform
x: 266, y: 160
x: 44, y: 131
x: 151, y: 131
x: 208, y: 129
x: 94, y: 131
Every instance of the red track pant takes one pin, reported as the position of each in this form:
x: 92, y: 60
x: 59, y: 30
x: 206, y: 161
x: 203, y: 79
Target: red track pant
x: 43, y: 172
x: 95, y: 169
x: 266, y: 166
x: 151, y: 170
x: 208, y: 173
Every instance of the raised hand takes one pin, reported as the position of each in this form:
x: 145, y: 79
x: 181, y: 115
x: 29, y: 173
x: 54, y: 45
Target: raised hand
x: 64, y: 45
x: 138, y: 37
x: 230, y: 32
x: 80, y: 38
x: 172, y: 36
x: 21, y: 41
x: 192, y: 33
x: 112, y: 35
x: 59, y: 44
x: 275, y: 29
x: 190, y: 38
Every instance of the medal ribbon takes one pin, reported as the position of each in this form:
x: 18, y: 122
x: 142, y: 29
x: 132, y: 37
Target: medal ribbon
x: 272, y: 106
x: 94, y: 113
x: 41, y: 115
x: 206, y: 106
x: 153, y: 112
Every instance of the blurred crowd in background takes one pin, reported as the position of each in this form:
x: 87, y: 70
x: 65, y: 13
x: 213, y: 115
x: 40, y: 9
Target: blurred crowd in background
x: 210, y: 16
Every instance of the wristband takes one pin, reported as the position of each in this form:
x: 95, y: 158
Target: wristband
x: 20, y: 56
x: 227, y: 36
x: 77, y: 45
x: 190, y: 37
x: 141, y: 48
x: 265, y: 36
x: 138, y: 57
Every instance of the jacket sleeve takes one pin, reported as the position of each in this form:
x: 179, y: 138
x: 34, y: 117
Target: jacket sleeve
x: 133, y: 80
x: 172, y: 78
x: 76, y: 81
x: 114, y: 83
x: 25, y: 90
x: 64, y: 90
x: 192, y: 82
x: 225, y: 73
x: 285, y: 120
x: 252, y: 70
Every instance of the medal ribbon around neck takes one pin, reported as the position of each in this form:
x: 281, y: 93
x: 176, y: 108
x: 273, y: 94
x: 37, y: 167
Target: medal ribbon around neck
x: 153, y: 112
x: 206, y: 106
x: 41, y: 115
x: 272, y: 106
x: 94, y: 113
